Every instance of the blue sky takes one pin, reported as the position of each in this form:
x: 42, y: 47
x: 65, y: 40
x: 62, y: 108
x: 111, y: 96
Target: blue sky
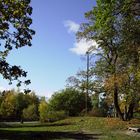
x: 55, y: 54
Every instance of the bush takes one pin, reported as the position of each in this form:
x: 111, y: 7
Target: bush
x: 56, y: 115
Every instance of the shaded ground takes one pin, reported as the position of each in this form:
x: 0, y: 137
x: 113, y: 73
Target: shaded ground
x: 15, y: 135
x: 17, y: 131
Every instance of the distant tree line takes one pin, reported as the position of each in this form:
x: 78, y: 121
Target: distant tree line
x: 18, y: 106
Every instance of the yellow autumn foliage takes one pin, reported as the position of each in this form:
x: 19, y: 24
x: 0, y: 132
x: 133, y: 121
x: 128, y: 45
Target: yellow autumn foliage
x: 119, y: 79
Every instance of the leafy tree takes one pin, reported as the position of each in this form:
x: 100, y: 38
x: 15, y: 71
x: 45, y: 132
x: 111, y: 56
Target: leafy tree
x: 1, y: 97
x: 30, y: 113
x: 32, y: 98
x: 15, y: 32
x: 21, y: 103
x: 114, y: 24
x: 12, y: 104
x: 43, y: 110
x: 8, y: 105
x: 69, y: 100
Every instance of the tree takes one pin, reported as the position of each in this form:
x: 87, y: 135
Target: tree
x: 8, y: 105
x: 43, y: 110
x: 69, y: 100
x: 30, y: 113
x: 21, y: 103
x: 15, y: 32
x: 13, y: 103
x: 114, y: 24
x: 79, y: 81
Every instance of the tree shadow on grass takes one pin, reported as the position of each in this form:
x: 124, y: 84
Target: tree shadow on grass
x: 6, y: 125
x: 46, y: 135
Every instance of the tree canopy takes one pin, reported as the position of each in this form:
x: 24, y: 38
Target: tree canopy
x: 69, y: 100
x: 15, y: 32
x: 15, y: 105
x: 114, y: 25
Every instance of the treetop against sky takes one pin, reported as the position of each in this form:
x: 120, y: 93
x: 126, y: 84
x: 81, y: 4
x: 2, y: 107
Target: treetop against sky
x: 55, y: 52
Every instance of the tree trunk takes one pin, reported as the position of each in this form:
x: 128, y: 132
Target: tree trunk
x: 130, y: 111
x: 125, y: 113
x: 116, y: 104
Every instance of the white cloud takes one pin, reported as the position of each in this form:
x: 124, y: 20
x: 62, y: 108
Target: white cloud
x: 72, y: 26
x: 82, y: 46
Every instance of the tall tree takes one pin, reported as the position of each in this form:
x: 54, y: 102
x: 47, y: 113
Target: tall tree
x: 15, y: 32
x: 114, y: 24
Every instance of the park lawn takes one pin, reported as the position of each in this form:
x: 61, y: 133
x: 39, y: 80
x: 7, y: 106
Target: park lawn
x: 71, y: 128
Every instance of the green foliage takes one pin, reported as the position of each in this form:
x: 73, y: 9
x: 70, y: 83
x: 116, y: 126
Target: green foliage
x: 95, y: 100
x: 68, y: 100
x: 15, y: 32
x: 8, y: 105
x: 30, y: 113
x: 14, y: 105
x: 21, y: 103
x: 114, y: 25
x: 43, y: 110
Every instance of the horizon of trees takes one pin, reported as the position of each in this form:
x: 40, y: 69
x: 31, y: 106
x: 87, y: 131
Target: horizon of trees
x: 18, y: 106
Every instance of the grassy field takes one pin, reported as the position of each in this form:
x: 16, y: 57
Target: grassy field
x: 76, y: 128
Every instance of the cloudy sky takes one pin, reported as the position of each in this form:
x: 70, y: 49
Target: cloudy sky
x: 55, y: 54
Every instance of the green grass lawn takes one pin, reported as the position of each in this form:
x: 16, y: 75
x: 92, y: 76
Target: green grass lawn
x: 76, y: 128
